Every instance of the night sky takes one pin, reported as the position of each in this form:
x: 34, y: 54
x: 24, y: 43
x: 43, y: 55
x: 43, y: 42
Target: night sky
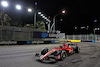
x: 79, y: 13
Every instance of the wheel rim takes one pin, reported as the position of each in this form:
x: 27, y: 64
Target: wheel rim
x: 64, y: 55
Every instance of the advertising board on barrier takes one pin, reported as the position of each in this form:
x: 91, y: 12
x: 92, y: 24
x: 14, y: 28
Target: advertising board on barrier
x: 37, y: 42
x: 8, y: 42
x: 74, y: 40
x: 20, y: 42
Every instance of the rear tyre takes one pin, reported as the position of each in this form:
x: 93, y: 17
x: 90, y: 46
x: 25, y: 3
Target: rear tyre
x: 77, y: 50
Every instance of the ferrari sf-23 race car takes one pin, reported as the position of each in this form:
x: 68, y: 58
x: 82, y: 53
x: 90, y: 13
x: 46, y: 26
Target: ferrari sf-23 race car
x: 58, y: 53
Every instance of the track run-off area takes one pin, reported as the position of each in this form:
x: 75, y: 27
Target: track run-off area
x: 24, y: 56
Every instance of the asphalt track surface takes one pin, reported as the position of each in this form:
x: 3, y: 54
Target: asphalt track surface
x: 24, y: 56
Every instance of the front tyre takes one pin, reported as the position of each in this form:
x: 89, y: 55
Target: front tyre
x: 44, y: 51
x: 63, y: 56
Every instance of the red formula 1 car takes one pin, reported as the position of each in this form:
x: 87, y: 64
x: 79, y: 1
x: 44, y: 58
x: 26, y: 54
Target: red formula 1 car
x: 58, y: 53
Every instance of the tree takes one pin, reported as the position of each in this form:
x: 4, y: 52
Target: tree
x: 4, y: 19
x: 29, y: 25
x: 40, y: 25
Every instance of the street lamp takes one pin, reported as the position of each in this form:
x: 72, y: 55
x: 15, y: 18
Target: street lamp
x: 18, y: 7
x: 29, y: 10
x: 63, y: 11
x: 53, y: 25
x: 45, y: 18
x: 39, y: 12
x: 41, y: 15
x: 4, y: 3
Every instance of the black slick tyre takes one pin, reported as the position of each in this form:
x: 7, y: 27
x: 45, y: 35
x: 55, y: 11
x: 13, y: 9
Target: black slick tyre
x: 63, y: 56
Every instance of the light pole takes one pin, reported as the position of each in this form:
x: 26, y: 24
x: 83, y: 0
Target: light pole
x: 35, y: 12
x: 54, y: 21
x: 53, y: 25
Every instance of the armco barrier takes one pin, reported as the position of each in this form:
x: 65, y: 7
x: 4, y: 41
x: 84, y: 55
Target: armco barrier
x: 24, y: 42
x: 62, y: 41
x: 86, y: 41
x: 41, y: 42
x: 89, y: 41
x: 97, y: 41
x: 21, y: 42
x: 37, y: 42
x: 8, y: 42
x: 52, y: 41
x: 47, y: 42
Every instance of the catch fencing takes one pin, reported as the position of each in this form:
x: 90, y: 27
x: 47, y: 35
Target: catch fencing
x: 86, y: 37
x: 29, y: 34
x: 17, y: 33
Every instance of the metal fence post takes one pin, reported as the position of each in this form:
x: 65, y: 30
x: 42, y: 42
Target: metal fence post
x: 13, y: 38
x: 29, y: 35
x: 73, y: 37
x: 80, y: 36
x: 1, y: 33
x: 85, y: 37
x: 95, y: 37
